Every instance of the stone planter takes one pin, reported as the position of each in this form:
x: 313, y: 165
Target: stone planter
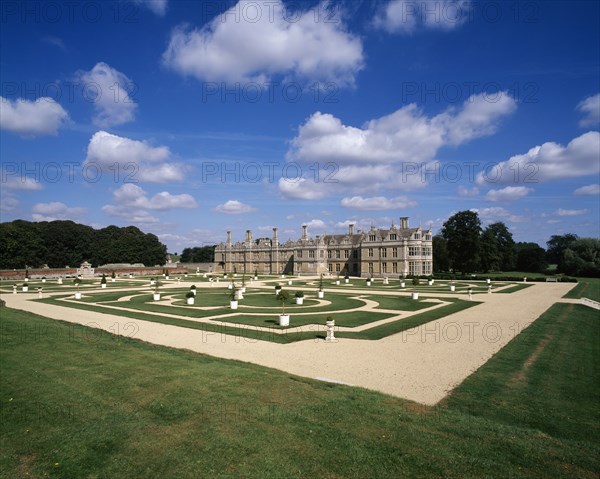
x: 103, y: 285
x: 368, y: 283
x: 284, y: 320
x: 255, y: 278
x: 167, y: 277
x: 239, y: 295
x: 59, y: 281
x: 112, y: 280
x: 386, y: 281
x: 289, y: 282
x: 27, y: 280
x: 193, y: 291
x: 402, y: 284
x: 414, y: 295
x: 299, y: 300
x: 156, y: 296
x: 130, y: 276
x: 190, y: 301
x: 230, y: 286
x: 346, y: 281
x: 78, y: 295
x: 277, y: 292
x: 152, y: 282
x: 43, y: 280
x: 233, y: 304
x: 243, y: 289
x: 488, y: 281
x: 320, y: 294
x: 25, y: 288
x: 337, y: 282
x: 452, y: 288
x: 430, y: 282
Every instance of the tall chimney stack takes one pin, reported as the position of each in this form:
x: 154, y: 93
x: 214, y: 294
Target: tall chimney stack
x: 229, y: 237
x: 304, y: 232
x: 404, y: 222
x: 274, y: 235
x: 351, y: 229
x: 248, y: 236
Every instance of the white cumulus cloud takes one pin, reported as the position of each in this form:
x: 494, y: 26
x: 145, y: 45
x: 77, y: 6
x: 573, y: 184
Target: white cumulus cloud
x: 131, y: 195
x: 510, y: 193
x: 590, y: 107
x: 377, y: 203
x: 55, y: 211
x: 406, y: 16
x: 254, y: 41
x: 109, y: 89
x: 550, y: 161
x: 43, y: 116
x: 159, y: 7
x: 234, y: 207
x: 136, y: 159
x: 564, y: 212
x: 387, y: 153
x: 588, y: 190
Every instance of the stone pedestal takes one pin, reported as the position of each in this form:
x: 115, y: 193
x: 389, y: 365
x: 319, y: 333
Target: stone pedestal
x: 329, y: 327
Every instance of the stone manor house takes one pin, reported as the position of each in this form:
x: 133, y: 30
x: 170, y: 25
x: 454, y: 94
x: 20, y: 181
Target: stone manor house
x: 377, y: 252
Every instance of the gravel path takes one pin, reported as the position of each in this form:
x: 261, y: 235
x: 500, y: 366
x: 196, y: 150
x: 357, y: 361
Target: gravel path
x: 422, y: 364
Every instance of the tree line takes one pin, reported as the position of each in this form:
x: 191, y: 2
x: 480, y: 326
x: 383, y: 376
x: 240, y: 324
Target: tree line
x: 463, y: 245
x: 198, y: 254
x: 66, y: 243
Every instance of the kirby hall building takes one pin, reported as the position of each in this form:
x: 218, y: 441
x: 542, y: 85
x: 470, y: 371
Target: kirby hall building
x: 399, y: 250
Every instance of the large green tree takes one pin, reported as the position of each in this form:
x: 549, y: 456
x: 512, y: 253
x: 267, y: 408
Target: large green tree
x: 531, y: 258
x: 505, y: 245
x: 581, y: 258
x: 462, y: 233
x: 198, y: 254
x: 62, y: 243
x: 557, y: 244
x: 440, y: 254
x: 491, y: 258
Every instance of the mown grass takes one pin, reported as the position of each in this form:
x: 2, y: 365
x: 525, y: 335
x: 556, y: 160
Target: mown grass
x: 76, y: 404
x: 512, y: 289
x: 547, y: 378
x: 586, y: 288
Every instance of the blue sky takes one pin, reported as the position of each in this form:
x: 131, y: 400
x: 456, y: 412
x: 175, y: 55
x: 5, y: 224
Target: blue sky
x: 187, y: 119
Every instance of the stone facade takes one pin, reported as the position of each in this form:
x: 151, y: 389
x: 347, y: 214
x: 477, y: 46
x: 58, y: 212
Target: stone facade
x: 396, y: 251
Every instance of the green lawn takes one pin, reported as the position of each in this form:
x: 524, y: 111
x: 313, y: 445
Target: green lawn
x: 547, y: 378
x: 76, y: 403
x: 586, y: 288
